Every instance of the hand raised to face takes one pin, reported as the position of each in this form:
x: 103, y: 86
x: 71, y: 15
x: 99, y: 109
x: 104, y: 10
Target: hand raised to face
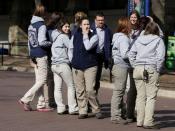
x: 85, y: 26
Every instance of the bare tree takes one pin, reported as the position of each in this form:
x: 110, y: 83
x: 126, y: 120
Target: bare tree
x: 158, y: 9
x: 37, y: 2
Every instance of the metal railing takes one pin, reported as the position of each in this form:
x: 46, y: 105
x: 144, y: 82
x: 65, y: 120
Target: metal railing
x: 6, y: 47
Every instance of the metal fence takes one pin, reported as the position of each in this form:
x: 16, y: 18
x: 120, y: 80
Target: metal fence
x: 13, y: 50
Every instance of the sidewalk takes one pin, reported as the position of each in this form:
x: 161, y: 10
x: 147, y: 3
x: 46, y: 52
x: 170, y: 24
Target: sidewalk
x: 13, y: 118
x: 167, y: 81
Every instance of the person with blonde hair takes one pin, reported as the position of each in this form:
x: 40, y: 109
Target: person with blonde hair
x: 77, y: 19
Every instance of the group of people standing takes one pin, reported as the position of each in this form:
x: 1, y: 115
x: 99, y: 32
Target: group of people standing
x: 76, y: 54
x: 138, y: 52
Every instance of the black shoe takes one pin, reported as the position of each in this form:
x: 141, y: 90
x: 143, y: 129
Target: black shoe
x: 53, y: 105
x: 89, y: 109
x: 82, y: 116
x: 120, y: 121
x: 131, y: 120
x: 99, y: 115
x: 152, y: 127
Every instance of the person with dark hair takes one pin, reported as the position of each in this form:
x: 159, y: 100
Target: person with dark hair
x: 144, y: 20
x: 61, y: 69
x: 77, y: 19
x: 103, y: 47
x: 53, y: 20
x: 131, y: 91
x: 161, y: 34
x: 82, y: 53
x: 134, y: 18
x: 121, y: 43
x: 51, y: 24
x: 146, y: 57
x: 38, y: 48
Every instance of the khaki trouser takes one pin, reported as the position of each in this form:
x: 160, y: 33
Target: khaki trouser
x: 146, y: 96
x: 84, y: 83
x: 40, y: 81
x: 49, y: 89
x: 120, y: 75
x: 62, y: 72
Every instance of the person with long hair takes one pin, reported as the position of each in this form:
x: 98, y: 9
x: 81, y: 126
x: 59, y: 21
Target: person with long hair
x: 121, y: 43
x: 37, y: 43
x: 61, y: 67
x: 51, y: 24
x: 134, y: 18
x: 146, y: 57
x: 131, y: 88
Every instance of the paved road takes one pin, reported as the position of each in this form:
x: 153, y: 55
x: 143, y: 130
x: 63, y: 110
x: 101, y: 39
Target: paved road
x: 12, y: 118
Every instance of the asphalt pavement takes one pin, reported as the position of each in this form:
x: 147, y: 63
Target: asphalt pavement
x: 13, y: 85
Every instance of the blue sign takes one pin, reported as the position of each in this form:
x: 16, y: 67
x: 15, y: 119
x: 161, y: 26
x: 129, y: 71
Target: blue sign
x: 142, y: 6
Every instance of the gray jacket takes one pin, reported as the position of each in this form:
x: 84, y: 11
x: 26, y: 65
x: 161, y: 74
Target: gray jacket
x: 148, y: 50
x: 59, y: 47
x: 120, y: 49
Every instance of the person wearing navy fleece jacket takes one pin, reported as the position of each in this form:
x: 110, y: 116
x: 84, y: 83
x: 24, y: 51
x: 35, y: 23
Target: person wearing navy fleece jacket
x: 83, y: 56
x: 104, y: 46
x: 38, y: 49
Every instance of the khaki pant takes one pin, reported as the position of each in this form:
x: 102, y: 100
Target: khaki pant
x: 62, y: 72
x: 49, y: 90
x: 85, y: 83
x: 120, y: 75
x: 146, y: 97
x: 40, y: 81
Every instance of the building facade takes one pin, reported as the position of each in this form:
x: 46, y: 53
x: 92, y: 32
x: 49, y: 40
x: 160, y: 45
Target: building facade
x: 19, y: 12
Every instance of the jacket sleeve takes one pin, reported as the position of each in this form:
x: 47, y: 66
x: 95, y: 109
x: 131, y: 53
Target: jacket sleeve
x: 160, y: 55
x: 90, y: 43
x: 132, y: 55
x: 42, y: 36
x: 70, y: 49
x: 66, y: 40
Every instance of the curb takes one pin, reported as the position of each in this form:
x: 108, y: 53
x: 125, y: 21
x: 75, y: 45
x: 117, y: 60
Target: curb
x: 15, y: 68
x: 162, y: 92
x: 104, y: 84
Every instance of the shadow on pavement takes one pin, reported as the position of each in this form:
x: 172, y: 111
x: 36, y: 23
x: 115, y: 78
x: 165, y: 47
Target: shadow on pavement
x: 106, y: 109
x: 166, y: 118
x: 165, y: 112
x: 167, y: 123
